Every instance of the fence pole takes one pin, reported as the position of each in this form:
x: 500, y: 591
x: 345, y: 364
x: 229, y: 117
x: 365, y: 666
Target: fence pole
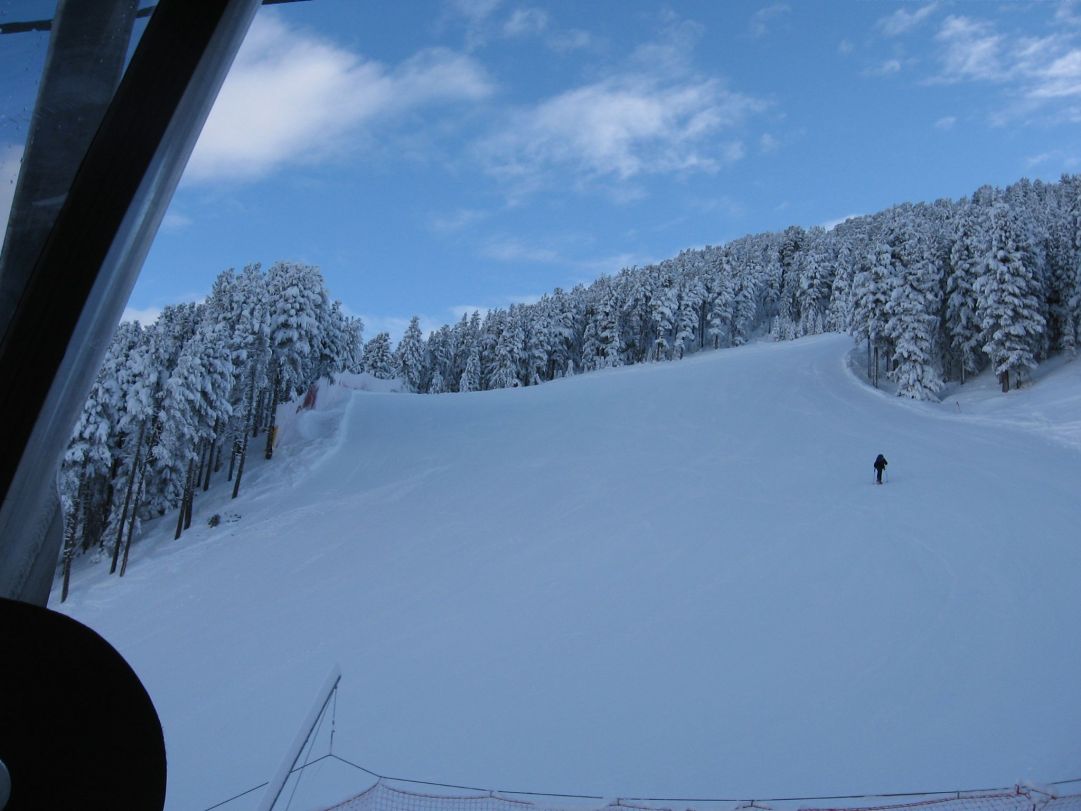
x: 275, y: 786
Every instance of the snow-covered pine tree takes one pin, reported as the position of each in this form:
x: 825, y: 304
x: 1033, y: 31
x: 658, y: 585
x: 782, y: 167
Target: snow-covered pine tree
x: 663, y: 306
x: 297, y: 302
x: 378, y: 360
x: 962, y: 326
x: 507, y: 353
x: 689, y: 295
x: 410, y: 360
x: 1007, y: 304
x: 721, y: 301
x: 471, y: 377
x: 912, y: 309
x: 354, y: 344
x: 1064, y: 265
x: 816, y: 267
x: 870, y: 297
x: 196, y: 400
x: 609, y: 342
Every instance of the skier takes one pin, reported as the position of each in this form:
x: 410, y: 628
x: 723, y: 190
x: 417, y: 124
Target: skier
x: 880, y: 465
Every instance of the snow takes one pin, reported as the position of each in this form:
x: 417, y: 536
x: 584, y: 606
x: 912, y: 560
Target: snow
x: 672, y: 579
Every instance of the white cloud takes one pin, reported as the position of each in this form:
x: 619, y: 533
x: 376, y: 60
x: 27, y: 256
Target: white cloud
x: 618, y: 129
x: 767, y: 143
x: 1060, y: 78
x: 652, y: 115
x: 1033, y: 71
x: 887, y: 68
x: 971, y: 50
x: 293, y: 97
x: 946, y: 122
x: 175, y: 221
x: 762, y: 19
x: 903, y: 20
x: 525, y: 22
x: 11, y: 156
x: 145, y: 316
x: 845, y: 47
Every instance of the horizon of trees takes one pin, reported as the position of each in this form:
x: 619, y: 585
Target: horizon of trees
x: 938, y: 292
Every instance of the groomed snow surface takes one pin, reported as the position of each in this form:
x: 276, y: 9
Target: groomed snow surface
x: 670, y: 580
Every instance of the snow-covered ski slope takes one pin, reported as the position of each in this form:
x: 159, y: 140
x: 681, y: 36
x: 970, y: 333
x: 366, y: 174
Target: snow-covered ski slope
x: 667, y: 580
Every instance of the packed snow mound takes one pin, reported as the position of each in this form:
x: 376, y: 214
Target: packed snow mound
x: 675, y: 579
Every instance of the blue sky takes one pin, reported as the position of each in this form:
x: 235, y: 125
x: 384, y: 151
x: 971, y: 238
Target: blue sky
x: 434, y: 157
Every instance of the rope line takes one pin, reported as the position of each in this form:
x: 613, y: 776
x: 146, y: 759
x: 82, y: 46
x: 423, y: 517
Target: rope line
x: 236, y: 796
x: 750, y: 803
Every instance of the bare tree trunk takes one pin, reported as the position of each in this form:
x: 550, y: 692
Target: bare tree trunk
x: 131, y: 521
x: 218, y: 447
x: 69, y: 532
x: 234, y: 452
x: 183, y: 501
x: 132, y: 472
x: 260, y: 410
x: 210, y: 456
x: 202, y: 463
x: 192, y: 484
x: 243, y: 451
x: 272, y: 427
x: 1004, y: 378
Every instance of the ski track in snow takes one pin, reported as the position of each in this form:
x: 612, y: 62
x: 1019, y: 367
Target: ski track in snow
x: 674, y: 579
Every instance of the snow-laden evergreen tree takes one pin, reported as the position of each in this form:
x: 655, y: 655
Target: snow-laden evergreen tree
x: 1007, y: 304
x: 962, y: 326
x: 609, y: 351
x: 354, y: 345
x: 870, y: 297
x: 816, y: 268
x: 436, y: 385
x: 507, y: 353
x: 721, y: 298
x: 689, y: 300
x: 378, y: 359
x: 471, y: 377
x: 410, y: 360
x: 334, y: 338
x: 1063, y: 256
x: 297, y: 297
x: 913, y: 307
x: 663, y: 306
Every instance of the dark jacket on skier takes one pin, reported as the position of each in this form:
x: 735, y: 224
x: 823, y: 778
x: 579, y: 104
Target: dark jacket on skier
x: 880, y: 465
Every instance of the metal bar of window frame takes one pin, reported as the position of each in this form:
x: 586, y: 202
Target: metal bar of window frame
x: 56, y: 340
